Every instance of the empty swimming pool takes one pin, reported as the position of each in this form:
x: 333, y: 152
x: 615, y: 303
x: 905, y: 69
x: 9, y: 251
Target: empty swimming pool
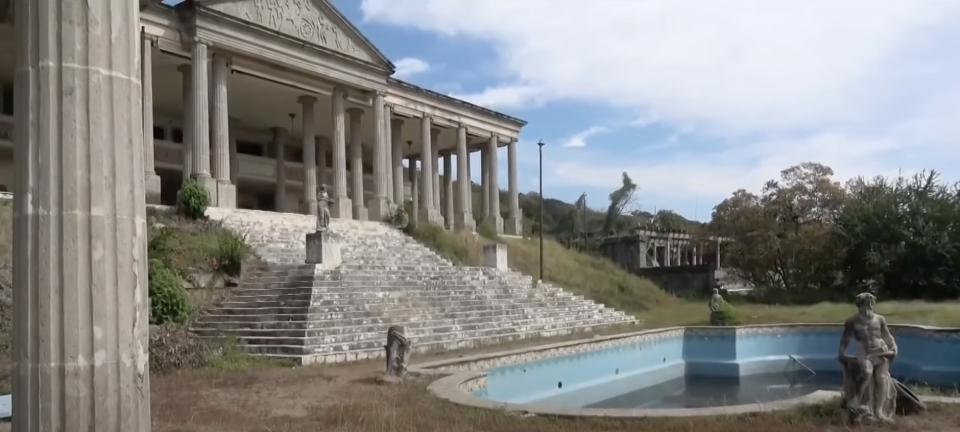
x: 697, y: 367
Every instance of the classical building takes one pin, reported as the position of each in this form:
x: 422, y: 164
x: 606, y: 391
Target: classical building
x: 262, y: 101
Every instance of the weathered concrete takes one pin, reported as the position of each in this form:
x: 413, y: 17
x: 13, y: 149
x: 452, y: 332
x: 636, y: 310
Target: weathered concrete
x: 308, y: 202
x: 428, y: 214
x: 378, y: 208
x: 464, y: 217
x: 356, y: 160
x: 80, y: 309
x: 495, y: 255
x: 514, y: 223
x: 493, y: 175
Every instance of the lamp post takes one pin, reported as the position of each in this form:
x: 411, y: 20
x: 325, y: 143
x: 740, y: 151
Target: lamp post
x: 540, y: 144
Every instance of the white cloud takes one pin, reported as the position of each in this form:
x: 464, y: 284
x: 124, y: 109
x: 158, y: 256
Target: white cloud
x: 579, y: 139
x: 863, y: 86
x: 409, y: 66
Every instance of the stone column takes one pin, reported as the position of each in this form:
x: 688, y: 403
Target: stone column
x: 341, y: 206
x: 200, y: 97
x: 308, y: 205
x: 356, y: 163
x: 463, y: 219
x: 280, y: 187
x: 322, y: 172
x: 448, y: 190
x: 396, y: 136
x: 388, y: 152
x: 484, y: 183
x: 469, y: 180
x: 233, y: 125
x: 695, y: 256
x: 378, y: 207
x: 428, y: 213
x: 718, y: 253
x: 668, y: 253
x: 513, y: 226
x: 80, y: 314
x: 151, y: 180
x: 189, y: 120
x: 435, y: 160
x: 413, y: 173
x: 493, y: 174
x: 226, y: 191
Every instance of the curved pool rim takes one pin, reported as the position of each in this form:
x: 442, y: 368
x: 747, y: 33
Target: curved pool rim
x: 460, y: 377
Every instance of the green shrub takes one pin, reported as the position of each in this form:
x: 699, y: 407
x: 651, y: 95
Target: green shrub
x: 729, y: 315
x: 168, y: 298
x: 165, y: 246
x: 232, y: 249
x: 400, y: 219
x: 193, y: 200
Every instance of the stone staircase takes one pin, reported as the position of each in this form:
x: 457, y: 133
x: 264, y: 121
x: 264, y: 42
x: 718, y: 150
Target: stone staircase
x: 293, y: 310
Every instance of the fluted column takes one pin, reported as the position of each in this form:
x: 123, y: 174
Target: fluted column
x: 341, y: 207
x: 463, y: 218
x: 388, y: 151
x: 493, y: 176
x: 396, y: 132
x: 448, y: 190
x: 414, y: 175
x: 435, y: 160
x: 234, y: 124
x: 189, y: 119
x: 200, y: 168
x: 429, y: 214
x: 309, y: 198
x: 280, y: 187
x: 220, y: 126
x: 484, y: 184
x: 378, y: 209
x: 322, y: 171
x: 80, y: 308
x: 151, y: 181
x: 513, y: 225
x: 356, y: 163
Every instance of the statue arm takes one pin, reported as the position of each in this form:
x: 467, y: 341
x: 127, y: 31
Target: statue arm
x: 887, y: 336
x: 845, y: 339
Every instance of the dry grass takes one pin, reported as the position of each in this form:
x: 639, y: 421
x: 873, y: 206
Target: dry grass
x: 346, y: 399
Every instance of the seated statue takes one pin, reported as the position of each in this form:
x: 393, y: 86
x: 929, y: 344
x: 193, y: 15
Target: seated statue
x: 869, y: 392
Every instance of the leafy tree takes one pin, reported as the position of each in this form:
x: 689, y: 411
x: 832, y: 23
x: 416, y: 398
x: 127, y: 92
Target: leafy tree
x: 620, y: 200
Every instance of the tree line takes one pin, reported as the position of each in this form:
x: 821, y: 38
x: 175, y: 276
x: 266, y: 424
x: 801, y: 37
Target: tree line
x: 806, y: 237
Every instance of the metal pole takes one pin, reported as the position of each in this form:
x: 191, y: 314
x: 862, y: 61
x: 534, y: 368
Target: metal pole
x: 540, y: 144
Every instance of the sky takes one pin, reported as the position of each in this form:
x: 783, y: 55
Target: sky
x: 694, y: 99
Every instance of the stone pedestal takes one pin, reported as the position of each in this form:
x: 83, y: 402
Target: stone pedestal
x: 429, y: 216
x: 378, y: 209
x: 341, y: 208
x: 321, y: 251
x: 513, y: 226
x: 464, y: 222
x: 226, y: 195
x: 495, y: 256
x: 496, y: 222
x: 151, y: 182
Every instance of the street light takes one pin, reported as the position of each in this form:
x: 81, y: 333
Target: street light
x: 540, y: 144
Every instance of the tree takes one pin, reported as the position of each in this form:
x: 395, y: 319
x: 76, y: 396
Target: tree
x: 620, y: 200
x: 669, y: 220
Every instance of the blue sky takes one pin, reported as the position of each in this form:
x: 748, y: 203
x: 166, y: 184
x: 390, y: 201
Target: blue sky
x: 693, y: 98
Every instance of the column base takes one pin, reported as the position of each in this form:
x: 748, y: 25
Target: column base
x: 226, y: 195
x: 360, y: 212
x: 429, y: 216
x: 513, y: 226
x: 309, y: 207
x: 209, y: 185
x: 151, y: 182
x: 496, y: 222
x: 379, y: 209
x: 341, y: 208
x: 465, y: 222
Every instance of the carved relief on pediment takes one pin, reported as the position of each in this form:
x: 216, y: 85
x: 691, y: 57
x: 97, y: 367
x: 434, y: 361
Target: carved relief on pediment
x: 301, y: 19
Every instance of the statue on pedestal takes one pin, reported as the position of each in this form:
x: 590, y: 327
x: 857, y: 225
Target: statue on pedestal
x: 323, y: 209
x: 869, y: 392
x: 398, y: 353
x: 716, y: 308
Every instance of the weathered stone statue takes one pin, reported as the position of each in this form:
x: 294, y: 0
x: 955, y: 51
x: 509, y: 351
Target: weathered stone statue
x: 323, y: 209
x: 869, y: 392
x: 398, y: 353
x: 716, y: 309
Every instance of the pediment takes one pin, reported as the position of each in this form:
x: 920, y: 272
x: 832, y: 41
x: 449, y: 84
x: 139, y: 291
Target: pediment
x: 316, y: 22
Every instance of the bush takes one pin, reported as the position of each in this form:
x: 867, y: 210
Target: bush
x: 487, y: 230
x: 168, y: 298
x: 726, y: 316
x: 165, y: 246
x: 173, y: 348
x: 193, y: 200
x: 400, y: 219
x: 232, y: 249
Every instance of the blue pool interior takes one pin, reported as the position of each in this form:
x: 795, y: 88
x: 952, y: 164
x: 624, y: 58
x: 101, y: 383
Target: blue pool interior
x: 695, y: 368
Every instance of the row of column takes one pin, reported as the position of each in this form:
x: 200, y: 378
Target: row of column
x: 677, y: 254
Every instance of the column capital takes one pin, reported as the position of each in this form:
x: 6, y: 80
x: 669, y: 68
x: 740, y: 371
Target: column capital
x: 185, y: 68
x: 426, y: 116
x: 355, y: 112
x: 342, y: 91
x: 200, y: 41
x: 396, y: 122
x: 380, y: 93
x: 307, y: 100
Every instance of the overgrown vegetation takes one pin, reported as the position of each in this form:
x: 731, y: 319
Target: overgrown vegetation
x: 193, y: 200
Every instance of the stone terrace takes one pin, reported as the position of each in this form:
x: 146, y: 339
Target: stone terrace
x: 290, y: 309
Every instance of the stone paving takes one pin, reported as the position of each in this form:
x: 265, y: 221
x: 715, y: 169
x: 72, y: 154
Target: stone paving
x: 293, y: 310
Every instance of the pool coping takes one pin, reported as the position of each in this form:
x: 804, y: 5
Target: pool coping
x: 456, y: 385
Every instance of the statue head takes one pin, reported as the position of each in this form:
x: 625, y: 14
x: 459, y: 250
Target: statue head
x: 865, y: 302
x: 716, y: 292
